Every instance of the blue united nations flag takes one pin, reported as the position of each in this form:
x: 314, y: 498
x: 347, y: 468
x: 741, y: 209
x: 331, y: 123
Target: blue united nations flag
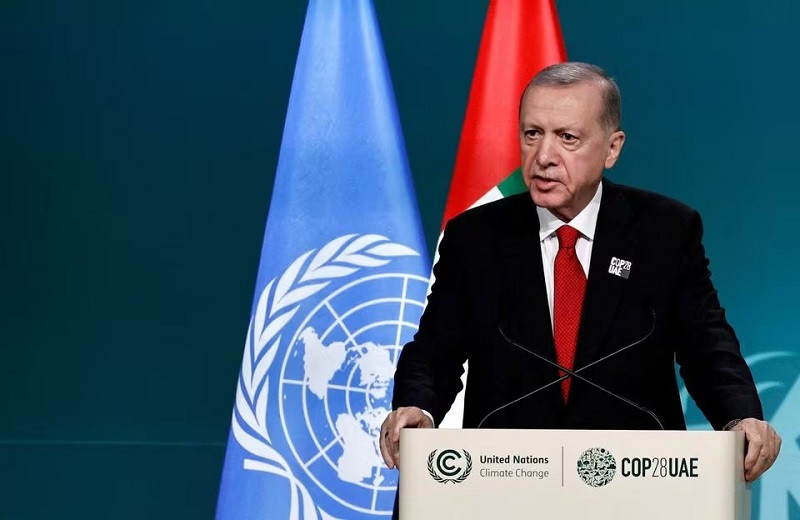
x: 341, y: 286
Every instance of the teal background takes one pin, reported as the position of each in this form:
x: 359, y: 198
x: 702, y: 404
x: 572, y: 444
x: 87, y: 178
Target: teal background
x: 138, y: 144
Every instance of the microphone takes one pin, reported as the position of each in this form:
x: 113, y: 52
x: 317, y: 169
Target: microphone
x: 574, y: 373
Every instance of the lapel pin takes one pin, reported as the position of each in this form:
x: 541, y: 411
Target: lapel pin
x: 620, y: 267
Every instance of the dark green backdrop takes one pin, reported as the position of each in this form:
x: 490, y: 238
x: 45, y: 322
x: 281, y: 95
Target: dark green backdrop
x: 138, y: 143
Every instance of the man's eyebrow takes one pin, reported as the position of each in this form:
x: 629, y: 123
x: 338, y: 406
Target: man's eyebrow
x: 567, y: 129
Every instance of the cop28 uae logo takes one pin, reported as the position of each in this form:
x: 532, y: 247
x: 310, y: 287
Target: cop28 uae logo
x: 596, y: 467
x: 449, y: 466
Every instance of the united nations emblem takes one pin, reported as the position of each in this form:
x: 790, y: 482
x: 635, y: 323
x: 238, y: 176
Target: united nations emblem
x: 325, y: 337
x: 596, y: 467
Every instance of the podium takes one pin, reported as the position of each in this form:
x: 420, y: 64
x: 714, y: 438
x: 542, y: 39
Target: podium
x: 571, y: 474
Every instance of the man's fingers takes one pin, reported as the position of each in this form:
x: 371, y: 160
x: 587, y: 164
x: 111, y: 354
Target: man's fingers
x: 386, y: 452
x: 393, y: 441
x: 764, y: 461
x: 763, y: 446
x: 390, y: 438
x: 758, y: 467
x: 395, y: 450
x: 410, y: 417
x: 754, y: 451
x: 754, y: 458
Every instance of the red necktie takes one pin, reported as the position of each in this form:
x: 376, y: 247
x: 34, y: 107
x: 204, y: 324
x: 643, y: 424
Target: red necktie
x: 570, y: 286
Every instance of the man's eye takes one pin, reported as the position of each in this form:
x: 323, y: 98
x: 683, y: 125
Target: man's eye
x: 569, y: 138
x: 530, y: 134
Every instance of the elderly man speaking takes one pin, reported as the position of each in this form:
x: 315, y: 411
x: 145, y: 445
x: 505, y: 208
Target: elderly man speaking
x: 594, y: 276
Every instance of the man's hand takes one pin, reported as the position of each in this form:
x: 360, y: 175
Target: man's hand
x: 763, y: 446
x: 403, y: 417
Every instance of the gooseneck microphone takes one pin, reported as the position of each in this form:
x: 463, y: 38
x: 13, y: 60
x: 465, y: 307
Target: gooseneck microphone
x: 576, y: 375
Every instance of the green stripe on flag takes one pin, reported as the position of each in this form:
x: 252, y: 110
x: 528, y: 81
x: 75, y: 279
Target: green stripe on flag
x: 512, y: 184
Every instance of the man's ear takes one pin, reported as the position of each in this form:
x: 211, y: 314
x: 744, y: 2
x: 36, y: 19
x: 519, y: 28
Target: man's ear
x: 615, y: 142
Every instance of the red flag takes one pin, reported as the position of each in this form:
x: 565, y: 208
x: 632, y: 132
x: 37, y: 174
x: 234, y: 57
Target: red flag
x: 520, y: 38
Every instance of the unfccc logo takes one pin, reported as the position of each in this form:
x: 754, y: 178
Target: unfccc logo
x: 449, y: 466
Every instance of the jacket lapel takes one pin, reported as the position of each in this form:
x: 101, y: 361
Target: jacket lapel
x: 525, y: 314
x: 603, y: 289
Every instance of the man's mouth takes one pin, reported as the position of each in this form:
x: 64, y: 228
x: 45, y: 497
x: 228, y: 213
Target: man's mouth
x: 543, y: 183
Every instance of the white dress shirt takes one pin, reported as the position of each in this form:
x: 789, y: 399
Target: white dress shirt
x: 585, y: 222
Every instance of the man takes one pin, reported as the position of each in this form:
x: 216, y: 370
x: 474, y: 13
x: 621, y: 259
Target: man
x: 608, y: 281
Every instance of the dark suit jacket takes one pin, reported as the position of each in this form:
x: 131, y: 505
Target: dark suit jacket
x: 489, y: 277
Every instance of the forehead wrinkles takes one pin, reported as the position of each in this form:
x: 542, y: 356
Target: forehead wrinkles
x: 552, y: 121
x: 575, y: 106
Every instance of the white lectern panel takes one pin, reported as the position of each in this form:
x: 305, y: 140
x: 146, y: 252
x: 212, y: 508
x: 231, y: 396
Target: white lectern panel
x: 565, y: 474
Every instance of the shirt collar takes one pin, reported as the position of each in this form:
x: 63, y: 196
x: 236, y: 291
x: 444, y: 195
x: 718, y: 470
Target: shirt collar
x: 585, y: 221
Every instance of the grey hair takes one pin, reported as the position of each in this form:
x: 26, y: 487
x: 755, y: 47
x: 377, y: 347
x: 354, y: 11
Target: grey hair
x: 573, y: 72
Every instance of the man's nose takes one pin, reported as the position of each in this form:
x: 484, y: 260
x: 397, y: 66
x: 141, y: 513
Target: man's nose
x: 546, y: 155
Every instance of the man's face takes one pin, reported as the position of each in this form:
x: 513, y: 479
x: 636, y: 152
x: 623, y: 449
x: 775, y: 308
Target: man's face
x: 565, y: 146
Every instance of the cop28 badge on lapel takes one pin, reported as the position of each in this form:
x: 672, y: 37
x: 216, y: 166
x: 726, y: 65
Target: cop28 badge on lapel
x: 620, y: 267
